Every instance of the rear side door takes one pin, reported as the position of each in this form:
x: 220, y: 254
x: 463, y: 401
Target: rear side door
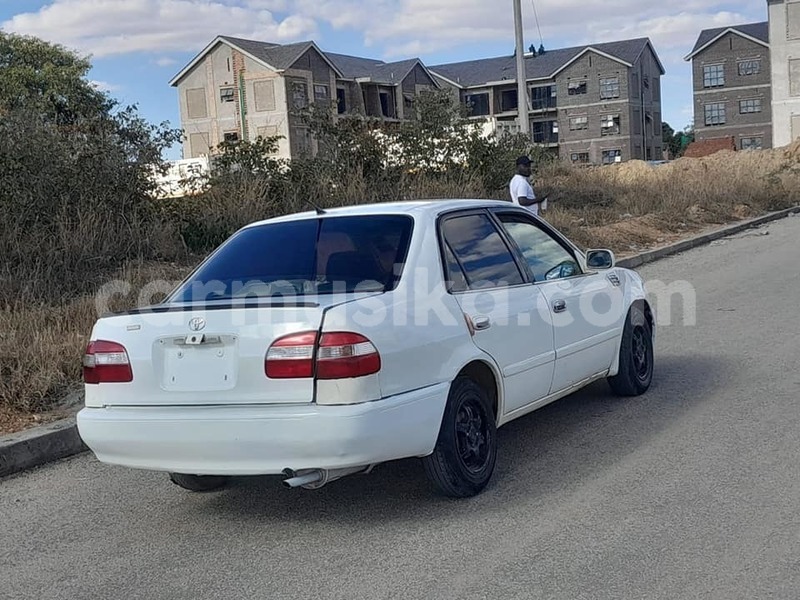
x: 506, y: 312
x: 586, y: 307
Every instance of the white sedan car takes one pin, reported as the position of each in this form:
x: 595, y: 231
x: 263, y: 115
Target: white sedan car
x: 321, y: 344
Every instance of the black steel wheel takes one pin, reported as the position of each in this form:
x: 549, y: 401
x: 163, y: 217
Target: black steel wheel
x: 463, y: 460
x: 635, y: 356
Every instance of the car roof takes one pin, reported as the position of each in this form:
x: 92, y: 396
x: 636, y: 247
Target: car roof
x: 419, y: 209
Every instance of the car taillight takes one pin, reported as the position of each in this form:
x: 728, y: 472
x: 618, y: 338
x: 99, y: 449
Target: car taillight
x: 106, y: 362
x: 338, y: 355
x: 291, y: 357
x: 342, y: 355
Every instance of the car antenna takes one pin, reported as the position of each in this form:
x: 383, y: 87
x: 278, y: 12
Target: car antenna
x: 315, y: 207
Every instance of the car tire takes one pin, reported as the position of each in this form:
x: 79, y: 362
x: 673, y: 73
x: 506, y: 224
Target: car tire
x: 198, y: 483
x: 464, y: 457
x: 635, y: 372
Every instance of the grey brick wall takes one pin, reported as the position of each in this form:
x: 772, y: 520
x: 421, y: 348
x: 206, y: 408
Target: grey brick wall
x: 729, y: 51
x: 638, y: 137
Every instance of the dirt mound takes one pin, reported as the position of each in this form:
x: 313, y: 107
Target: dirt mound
x: 792, y: 151
x: 633, y: 171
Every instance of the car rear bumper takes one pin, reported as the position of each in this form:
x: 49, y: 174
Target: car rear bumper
x: 261, y: 440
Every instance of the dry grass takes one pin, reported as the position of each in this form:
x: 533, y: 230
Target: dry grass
x: 633, y: 205
x: 624, y: 207
x: 41, y: 347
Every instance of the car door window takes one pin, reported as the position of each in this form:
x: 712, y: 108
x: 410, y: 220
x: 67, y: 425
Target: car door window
x: 481, y: 252
x: 456, y: 279
x: 545, y: 256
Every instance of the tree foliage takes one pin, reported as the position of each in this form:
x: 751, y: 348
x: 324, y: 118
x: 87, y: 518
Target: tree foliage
x: 676, y: 141
x: 439, y: 140
x: 47, y: 79
x: 75, y: 173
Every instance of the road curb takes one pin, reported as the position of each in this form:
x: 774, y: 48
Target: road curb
x: 39, y: 445
x: 47, y: 443
x: 631, y: 262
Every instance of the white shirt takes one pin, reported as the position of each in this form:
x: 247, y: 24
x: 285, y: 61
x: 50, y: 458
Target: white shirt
x: 521, y: 187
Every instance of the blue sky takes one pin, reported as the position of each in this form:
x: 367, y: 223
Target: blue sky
x: 138, y: 45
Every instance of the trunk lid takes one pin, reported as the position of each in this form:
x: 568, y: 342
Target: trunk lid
x: 206, y: 356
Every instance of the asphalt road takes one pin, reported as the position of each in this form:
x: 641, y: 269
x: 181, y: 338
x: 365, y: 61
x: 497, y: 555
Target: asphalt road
x: 692, y: 491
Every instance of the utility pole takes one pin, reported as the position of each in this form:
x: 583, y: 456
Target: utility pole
x: 522, y: 84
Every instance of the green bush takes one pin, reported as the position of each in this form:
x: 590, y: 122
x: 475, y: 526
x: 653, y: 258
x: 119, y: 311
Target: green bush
x: 439, y: 153
x: 75, y: 175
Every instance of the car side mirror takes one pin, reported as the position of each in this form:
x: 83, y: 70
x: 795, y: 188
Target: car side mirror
x: 600, y: 259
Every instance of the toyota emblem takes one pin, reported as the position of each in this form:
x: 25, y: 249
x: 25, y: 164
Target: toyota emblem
x: 197, y: 324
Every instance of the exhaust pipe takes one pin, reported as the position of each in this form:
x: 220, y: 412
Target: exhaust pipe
x: 310, y: 478
x: 316, y: 478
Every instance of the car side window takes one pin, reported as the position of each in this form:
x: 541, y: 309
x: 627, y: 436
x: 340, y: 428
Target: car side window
x: 456, y: 279
x: 481, y: 252
x: 546, y: 258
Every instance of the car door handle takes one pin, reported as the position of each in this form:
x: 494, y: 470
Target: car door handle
x: 559, y: 306
x: 481, y: 323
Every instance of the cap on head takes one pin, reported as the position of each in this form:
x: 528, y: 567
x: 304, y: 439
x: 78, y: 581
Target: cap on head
x: 523, y: 160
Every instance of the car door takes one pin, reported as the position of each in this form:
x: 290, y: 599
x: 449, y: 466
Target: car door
x: 586, y: 307
x: 508, y: 314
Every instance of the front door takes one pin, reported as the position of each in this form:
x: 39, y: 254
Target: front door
x: 508, y: 314
x: 586, y: 324
x: 585, y: 308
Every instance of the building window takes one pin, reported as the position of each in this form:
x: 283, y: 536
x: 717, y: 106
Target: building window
x: 610, y: 125
x: 264, y: 95
x: 198, y: 144
x: 508, y: 101
x: 713, y: 76
x: 267, y: 131
x: 543, y: 97
x: 341, y: 101
x: 611, y: 156
x: 609, y: 88
x: 299, y: 91
x: 321, y: 93
x: 578, y: 123
x: 196, y: 103
x: 387, y: 105
x: 408, y: 105
x: 750, y: 67
x: 794, y: 77
x: 751, y: 143
x: 792, y: 21
x: 231, y: 137
x: 300, y: 140
x: 227, y: 94
x: 477, y: 104
x: 715, y: 114
x: 575, y: 88
x: 752, y: 105
x: 579, y: 157
x: 545, y: 132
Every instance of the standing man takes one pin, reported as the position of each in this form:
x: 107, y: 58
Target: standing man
x: 521, y: 190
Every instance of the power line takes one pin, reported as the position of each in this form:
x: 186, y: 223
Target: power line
x: 536, y: 16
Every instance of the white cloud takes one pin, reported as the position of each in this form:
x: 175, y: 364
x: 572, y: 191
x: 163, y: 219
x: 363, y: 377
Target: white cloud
x: 393, y: 27
x: 109, y: 27
x: 105, y: 86
x: 670, y: 31
x: 165, y: 61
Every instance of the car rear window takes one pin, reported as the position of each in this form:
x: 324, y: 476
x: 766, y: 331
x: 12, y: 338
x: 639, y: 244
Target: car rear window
x: 307, y: 257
